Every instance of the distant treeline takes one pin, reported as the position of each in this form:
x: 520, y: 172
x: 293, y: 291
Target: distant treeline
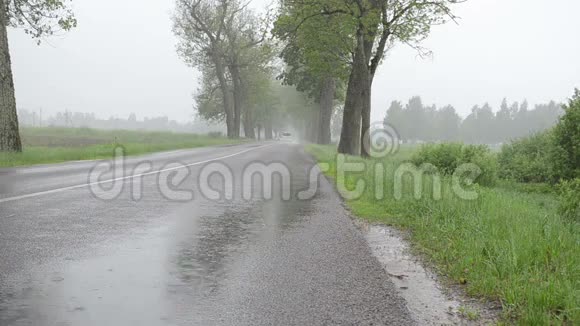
x: 89, y: 120
x: 417, y: 122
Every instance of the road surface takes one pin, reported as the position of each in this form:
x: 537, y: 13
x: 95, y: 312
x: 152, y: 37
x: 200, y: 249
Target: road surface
x: 70, y: 258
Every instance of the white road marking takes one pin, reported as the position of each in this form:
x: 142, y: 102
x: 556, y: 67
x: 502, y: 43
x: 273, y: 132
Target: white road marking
x: 52, y: 191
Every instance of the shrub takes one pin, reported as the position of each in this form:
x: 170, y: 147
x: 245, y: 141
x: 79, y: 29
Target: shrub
x: 570, y: 199
x: 566, y: 153
x: 528, y: 159
x: 447, y: 157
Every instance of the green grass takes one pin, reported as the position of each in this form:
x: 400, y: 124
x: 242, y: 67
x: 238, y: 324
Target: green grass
x: 507, y: 245
x: 53, y: 145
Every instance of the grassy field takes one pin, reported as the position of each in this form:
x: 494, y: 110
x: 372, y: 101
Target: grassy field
x: 53, y: 145
x: 508, y: 245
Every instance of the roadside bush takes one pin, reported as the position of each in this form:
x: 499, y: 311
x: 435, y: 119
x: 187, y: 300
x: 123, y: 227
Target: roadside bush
x: 570, y: 199
x: 566, y: 153
x: 447, y: 157
x: 507, y: 246
x: 528, y: 159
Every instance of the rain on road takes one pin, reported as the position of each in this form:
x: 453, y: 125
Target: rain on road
x: 68, y: 258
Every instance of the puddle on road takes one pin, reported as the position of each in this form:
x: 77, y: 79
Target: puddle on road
x: 426, y: 300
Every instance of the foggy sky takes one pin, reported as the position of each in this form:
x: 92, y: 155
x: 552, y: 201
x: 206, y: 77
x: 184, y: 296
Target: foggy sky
x: 121, y: 59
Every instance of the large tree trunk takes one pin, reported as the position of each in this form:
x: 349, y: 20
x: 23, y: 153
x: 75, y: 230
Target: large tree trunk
x: 365, y: 141
x: 366, y: 121
x: 325, y: 115
x: 357, y: 84
x: 238, y: 97
x: 268, y: 130
x: 312, y: 126
x: 9, y: 135
x: 371, y: 67
x: 220, y: 72
x: 249, y: 131
x: 357, y: 107
x: 350, y: 132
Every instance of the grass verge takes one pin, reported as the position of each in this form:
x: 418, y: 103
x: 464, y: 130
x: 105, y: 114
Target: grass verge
x: 54, y: 145
x: 507, y: 245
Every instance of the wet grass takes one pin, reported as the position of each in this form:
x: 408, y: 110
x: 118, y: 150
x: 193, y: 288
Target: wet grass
x: 508, y: 245
x: 54, y: 145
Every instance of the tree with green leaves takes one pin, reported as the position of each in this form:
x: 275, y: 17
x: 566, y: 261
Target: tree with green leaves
x: 262, y: 106
x: 200, y: 26
x: 246, y: 50
x: 255, y: 91
x: 447, y: 123
x: 39, y: 18
x: 374, y: 26
x: 316, y: 56
x: 209, y: 99
x: 503, y: 120
x: 567, y: 141
x: 221, y: 38
x: 416, y: 122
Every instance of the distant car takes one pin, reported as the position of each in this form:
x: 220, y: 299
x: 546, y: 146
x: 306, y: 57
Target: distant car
x: 286, y: 136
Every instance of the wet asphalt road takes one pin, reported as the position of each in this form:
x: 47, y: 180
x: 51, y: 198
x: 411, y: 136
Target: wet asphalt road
x: 68, y: 258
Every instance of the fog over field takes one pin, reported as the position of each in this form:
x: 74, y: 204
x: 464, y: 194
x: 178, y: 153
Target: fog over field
x: 121, y: 60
